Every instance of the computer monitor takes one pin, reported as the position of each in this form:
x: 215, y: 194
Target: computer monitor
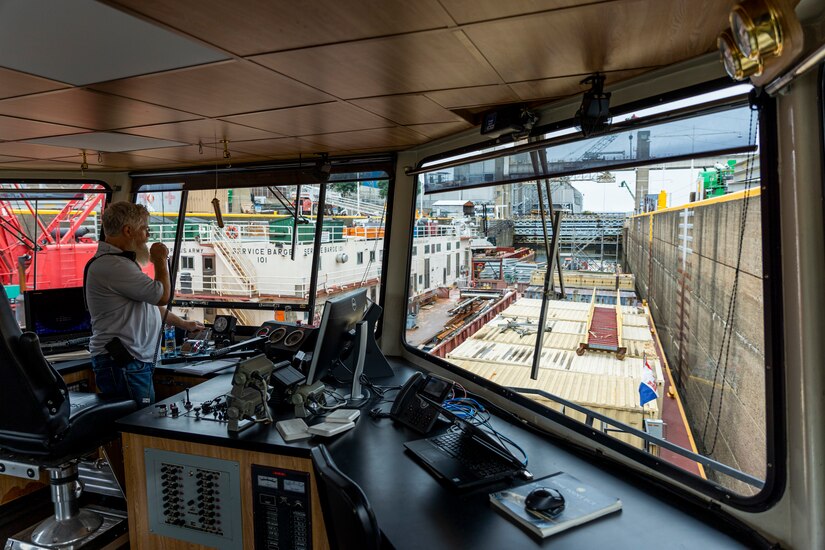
x: 57, y: 314
x: 341, y: 314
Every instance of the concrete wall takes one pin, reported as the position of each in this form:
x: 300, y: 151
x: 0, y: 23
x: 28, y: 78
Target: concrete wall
x: 689, y: 297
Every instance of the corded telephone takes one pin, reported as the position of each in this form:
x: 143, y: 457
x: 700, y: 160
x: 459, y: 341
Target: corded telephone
x: 414, y: 411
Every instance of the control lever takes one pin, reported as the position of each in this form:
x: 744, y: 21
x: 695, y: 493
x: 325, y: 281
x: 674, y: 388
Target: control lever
x: 246, y: 344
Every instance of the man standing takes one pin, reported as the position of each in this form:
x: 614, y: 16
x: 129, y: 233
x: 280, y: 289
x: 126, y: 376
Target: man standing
x: 126, y: 306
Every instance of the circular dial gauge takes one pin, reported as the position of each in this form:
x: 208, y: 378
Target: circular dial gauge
x: 742, y: 26
x: 294, y: 337
x: 263, y: 331
x: 277, y: 334
x: 221, y: 324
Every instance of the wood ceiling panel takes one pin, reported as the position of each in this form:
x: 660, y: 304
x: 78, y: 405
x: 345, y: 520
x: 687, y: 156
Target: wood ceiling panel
x: 595, y: 37
x: 347, y: 141
x: 10, y: 158
x: 88, y: 109
x: 14, y: 83
x: 473, y: 97
x: 217, y: 89
x: 407, y: 109
x: 469, y: 11
x: 386, y: 65
x: 190, y: 154
x: 39, y: 165
x: 119, y: 161
x: 324, y: 118
x: 565, y: 86
x: 203, y: 130
x: 278, y: 147
x: 12, y: 129
x: 247, y: 27
x: 440, y: 129
x: 34, y: 150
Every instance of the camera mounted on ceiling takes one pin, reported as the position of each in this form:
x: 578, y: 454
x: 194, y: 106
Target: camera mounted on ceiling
x: 322, y: 169
x: 512, y: 120
x: 593, y: 116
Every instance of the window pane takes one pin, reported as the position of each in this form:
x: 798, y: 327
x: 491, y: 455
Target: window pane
x: 48, y: 232
x: 726, y: 130
x: 246, y: 268
x: 663, y: 287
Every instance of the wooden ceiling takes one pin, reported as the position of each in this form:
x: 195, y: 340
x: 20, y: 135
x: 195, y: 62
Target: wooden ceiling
x: 344, y: 76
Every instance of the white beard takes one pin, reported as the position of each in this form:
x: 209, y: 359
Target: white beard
x: 142, y: 254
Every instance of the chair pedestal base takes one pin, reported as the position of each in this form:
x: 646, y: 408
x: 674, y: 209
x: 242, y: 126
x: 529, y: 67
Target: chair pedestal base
x: 110, y: 520
x: 57, y: 533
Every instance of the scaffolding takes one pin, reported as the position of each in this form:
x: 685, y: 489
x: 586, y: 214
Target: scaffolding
x: 587, y: 241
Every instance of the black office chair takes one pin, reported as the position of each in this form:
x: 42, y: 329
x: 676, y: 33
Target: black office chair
x: 349, y: 519
x: 44, y: 426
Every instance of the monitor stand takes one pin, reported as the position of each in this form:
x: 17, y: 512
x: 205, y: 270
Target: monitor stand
x: 358, y: 392
x: 375, y: 365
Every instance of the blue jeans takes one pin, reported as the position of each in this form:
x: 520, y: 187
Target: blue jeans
x: 134, y: 381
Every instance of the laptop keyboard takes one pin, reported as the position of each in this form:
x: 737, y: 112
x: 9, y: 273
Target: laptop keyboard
x: 471, y: 454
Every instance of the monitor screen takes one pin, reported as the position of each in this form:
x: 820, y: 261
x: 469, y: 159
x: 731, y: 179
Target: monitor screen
x: 57, y: 314
x: 341, y: 313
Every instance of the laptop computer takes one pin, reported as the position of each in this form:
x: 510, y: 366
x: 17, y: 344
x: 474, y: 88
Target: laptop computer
x: 465, y: 456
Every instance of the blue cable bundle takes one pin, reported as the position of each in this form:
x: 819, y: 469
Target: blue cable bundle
x: 472, y: 411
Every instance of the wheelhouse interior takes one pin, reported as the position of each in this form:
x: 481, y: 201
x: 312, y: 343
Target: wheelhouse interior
x: 551, y: 205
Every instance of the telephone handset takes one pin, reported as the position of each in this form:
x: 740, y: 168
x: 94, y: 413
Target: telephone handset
x: 414, y: 411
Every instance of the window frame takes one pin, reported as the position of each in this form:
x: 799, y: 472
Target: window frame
x: 281, y: 174
x: 775, y: 410
x: 105, y: 190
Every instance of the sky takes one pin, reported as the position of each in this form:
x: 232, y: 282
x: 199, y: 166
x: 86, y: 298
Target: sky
x: 611, y: 197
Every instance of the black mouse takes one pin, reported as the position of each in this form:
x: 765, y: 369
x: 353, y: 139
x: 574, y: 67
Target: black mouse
x: 545, y: 500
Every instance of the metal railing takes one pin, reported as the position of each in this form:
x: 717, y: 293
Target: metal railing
x: 281, y: 286
x: 591, y: 416
x: 436, y: 230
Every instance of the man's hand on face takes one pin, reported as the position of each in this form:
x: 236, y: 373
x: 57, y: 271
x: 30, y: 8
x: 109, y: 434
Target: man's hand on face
x: 158, y: 253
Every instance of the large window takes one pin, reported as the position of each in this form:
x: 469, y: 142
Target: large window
x: 282, y: 250
x: 643, y: 318
x: 48, y: 232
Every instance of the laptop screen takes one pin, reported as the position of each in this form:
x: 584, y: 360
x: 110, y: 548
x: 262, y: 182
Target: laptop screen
x: 57, y: 314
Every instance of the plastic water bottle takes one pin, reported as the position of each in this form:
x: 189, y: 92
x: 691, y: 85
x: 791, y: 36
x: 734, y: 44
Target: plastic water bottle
x: 20, y: 310
x: 169, y: 341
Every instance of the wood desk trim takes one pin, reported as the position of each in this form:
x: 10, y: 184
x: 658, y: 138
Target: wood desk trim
x: 139, y: 536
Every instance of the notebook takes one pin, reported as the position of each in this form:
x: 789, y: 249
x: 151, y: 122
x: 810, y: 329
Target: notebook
x: 582, y: 503
x: 465, y: 456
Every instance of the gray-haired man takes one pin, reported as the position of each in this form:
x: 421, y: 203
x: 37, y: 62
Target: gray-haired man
x: 126, y: 305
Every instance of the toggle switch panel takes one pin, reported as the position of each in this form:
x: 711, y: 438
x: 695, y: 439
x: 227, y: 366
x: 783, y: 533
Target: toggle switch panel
x: 194, y: 498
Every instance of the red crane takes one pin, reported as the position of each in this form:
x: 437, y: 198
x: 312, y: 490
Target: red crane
x: 54, y: 257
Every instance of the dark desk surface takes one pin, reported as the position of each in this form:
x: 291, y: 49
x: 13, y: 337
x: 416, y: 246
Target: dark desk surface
x: 415, y: 511
x: 68, y: 363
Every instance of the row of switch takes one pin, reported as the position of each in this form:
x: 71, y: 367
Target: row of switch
x: 170, y: 489
x: 209, y: 505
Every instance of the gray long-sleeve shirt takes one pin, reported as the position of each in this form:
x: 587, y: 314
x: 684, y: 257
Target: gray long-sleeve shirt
x: 122, y: 302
